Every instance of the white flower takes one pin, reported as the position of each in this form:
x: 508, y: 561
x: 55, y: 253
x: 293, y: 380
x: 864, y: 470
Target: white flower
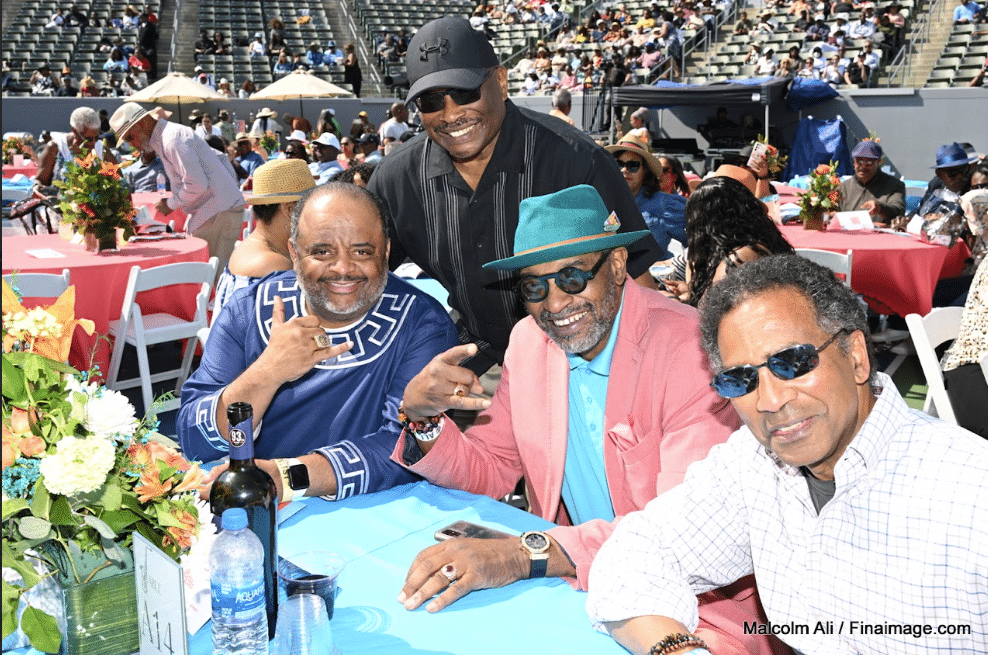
x: 109, y: 413
x: 79, y: 465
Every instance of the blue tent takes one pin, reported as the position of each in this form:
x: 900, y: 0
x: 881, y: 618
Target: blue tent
x: 819, y: 142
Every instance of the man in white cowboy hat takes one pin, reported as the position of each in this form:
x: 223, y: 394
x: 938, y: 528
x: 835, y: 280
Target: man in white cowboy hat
x: 604, y: 402
x: 201, y: 185
x: 326, y: 148
x: 322, y: 352
x: 454, y: 192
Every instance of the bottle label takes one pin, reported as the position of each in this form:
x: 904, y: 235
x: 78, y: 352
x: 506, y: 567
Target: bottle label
x: 237, y: 604
x: 237, y: 437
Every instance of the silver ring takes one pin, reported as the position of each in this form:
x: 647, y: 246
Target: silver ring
x: 450, y: 572
x: 460, y: 390
x: 322, y: 341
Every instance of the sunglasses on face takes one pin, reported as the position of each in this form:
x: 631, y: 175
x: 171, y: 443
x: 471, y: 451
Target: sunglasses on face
x: 788, y: 364
x: 956, y: 172
x: 571, y: 280
x: 633, y: 166
x: 429, y: 103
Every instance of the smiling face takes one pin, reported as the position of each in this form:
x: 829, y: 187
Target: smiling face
x: 581, y: 323
x: 808, y: 421
x: 340, y: 257
x: 469, y: 132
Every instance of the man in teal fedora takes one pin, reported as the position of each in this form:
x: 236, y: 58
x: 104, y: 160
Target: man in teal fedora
x: 603, y: 403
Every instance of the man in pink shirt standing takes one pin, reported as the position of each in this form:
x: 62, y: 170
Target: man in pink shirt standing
x: 203, y: 184
x: 603, y: 403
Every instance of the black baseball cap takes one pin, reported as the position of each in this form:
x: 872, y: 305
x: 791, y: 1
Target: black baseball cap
x: 368, y: 137
x: 447, y: 54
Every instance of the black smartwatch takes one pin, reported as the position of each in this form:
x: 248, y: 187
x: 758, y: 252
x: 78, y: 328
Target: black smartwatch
x: 536, y: 544
x: 294, y: 478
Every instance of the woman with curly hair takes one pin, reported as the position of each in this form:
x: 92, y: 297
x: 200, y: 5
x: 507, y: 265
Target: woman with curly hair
x: 726, y: 226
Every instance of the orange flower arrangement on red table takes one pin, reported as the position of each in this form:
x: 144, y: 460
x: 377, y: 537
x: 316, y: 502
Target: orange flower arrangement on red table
x: 81, y: 473
x: 94, y: 198
x: 822, y: 195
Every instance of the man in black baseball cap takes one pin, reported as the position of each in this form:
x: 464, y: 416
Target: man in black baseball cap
x: 454, y: 193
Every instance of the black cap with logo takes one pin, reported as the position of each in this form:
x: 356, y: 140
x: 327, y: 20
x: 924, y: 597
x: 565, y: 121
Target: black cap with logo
x: 447, y: 54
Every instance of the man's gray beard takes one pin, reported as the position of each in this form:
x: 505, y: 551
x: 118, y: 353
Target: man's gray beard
x: 603, y: 321
x: 319, y: 301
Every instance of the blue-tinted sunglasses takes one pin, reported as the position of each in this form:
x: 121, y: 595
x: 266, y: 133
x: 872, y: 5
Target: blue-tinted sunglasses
x: 572, y: 280
x: 788, y: 364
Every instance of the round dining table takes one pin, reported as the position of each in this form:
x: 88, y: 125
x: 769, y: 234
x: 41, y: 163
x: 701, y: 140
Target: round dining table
x: 895, y: 273
x: 100, y: 281
x: 28, y: 169
x: 149, y: 200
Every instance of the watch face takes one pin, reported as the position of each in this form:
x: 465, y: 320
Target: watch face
x: 536, y: 541
x: 298, y: 477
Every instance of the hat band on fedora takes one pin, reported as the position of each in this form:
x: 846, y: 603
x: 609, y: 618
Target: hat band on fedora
x: 557, y: 244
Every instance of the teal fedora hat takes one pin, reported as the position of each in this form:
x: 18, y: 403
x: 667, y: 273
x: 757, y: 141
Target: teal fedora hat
x: 564, y: 224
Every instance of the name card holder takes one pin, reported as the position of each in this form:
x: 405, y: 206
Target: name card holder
x: 161, y: 607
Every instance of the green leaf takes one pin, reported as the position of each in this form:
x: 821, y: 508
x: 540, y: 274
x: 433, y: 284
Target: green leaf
x: 100, y: 526
x: 13, y: 382
x: 120, y: 519
x: 31, y: 527
x: 14, y: 505
x: 61, y: 512
x: 114, y: 552
x: 17, y: 562
x: 41, y: 630
x: 112, y: 497
x: 41, y: 504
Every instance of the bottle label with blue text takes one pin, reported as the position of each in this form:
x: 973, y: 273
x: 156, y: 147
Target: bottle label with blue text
x: 237, y: 603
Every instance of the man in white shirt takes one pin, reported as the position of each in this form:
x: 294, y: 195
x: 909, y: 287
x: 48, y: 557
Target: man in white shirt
x: 201, y: 185
x: 326, y: 147
x: 863, y: 521
x: 392, y: 129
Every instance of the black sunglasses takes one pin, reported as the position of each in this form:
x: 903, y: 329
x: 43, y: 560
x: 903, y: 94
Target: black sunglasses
x: 788, y: 364
x: 571, y: 280
x: 956, y: 172
x: 429, y: 103
x: 633, y: 166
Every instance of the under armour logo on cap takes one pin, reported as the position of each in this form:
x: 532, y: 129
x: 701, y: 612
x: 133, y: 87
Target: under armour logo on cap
x: 442, y: 47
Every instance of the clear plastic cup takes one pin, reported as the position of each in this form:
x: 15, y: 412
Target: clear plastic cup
x: 303, y: 627
x: 311, y: 572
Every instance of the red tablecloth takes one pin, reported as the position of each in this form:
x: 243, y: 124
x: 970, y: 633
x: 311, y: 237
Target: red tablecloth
x: 895, y: 274
x: 149, y: 199
x: 29, y: 169
x: 100, y: 282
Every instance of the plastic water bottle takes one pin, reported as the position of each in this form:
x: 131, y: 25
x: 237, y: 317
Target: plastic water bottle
x: 161, y: 182
x: 240, y: 623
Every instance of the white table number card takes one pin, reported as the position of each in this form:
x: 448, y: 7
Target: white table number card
x: 160, y: 600
x: 856, y: 220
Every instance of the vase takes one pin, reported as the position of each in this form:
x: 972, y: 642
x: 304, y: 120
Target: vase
x: 108, y: 242
x: 813, y: 220
x: 90, y: 241
x: 101, y: 617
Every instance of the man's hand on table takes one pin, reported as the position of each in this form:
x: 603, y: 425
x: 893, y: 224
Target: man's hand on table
x: 162, y: 207
x: 444, y: 384
x: 872, y: 208
x: 479, y: 564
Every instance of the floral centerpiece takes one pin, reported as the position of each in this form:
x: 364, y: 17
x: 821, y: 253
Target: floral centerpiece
x: 773, y: 160
x: 269, y: 142
x: 821, y: 196
x: 14, y: 145
x: 81, y: 474
x: 95, y: 200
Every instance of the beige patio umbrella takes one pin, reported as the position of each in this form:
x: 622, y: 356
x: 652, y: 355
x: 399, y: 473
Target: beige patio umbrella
x: 300, y: 84
x: 176, y: 88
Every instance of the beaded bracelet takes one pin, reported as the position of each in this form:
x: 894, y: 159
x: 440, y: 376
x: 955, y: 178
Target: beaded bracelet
x: 425, y: 430
x: 674, y: 642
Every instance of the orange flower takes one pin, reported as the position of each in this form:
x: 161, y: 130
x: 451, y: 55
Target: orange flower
x: 64, y: 312
x: 88, y: 161
x: 822, y: 169
x: 110, y: 169
x: 190, y: 524
x: 10, y: 449
x: 193, y: 480
x: 150, y: 486
x: 32, y: 445
x: 170, y: 457
x: 20, y: 421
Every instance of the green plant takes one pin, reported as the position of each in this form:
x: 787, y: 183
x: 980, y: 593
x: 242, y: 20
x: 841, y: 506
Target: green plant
x: 80, y: 475
x: 95, y: 199
x: 823, y: 192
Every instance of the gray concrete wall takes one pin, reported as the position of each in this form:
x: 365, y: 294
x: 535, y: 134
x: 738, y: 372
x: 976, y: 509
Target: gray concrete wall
x: 911, y: 123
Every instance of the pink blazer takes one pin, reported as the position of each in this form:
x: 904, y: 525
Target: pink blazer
x: 661, y: 415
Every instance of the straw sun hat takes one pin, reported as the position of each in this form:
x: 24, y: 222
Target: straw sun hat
x: 281, y: 180
x: 633, y: 144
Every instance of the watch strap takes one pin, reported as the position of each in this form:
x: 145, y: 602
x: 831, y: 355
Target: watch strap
x: 287, y: 493
x: 539, y: 566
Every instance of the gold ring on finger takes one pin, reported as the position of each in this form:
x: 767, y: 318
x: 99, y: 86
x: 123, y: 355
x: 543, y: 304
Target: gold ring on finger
x: 322, y: 341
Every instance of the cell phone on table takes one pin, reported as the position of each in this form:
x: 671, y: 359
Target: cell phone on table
x: 462, y: 529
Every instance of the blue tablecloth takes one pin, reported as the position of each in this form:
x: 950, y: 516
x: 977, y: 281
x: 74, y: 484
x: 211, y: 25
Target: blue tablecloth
x: 378, y: 535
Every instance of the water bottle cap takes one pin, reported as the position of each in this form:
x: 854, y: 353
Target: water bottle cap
x: 235, y: 518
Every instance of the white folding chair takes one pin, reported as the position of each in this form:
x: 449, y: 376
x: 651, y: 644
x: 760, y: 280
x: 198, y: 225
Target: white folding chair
x: 838, y: 263
x: 140, y: 331
x: 39, y: 285
x: 927, y: 332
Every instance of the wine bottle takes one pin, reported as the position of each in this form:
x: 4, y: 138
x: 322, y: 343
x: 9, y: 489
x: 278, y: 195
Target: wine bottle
x: 245, y: 485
